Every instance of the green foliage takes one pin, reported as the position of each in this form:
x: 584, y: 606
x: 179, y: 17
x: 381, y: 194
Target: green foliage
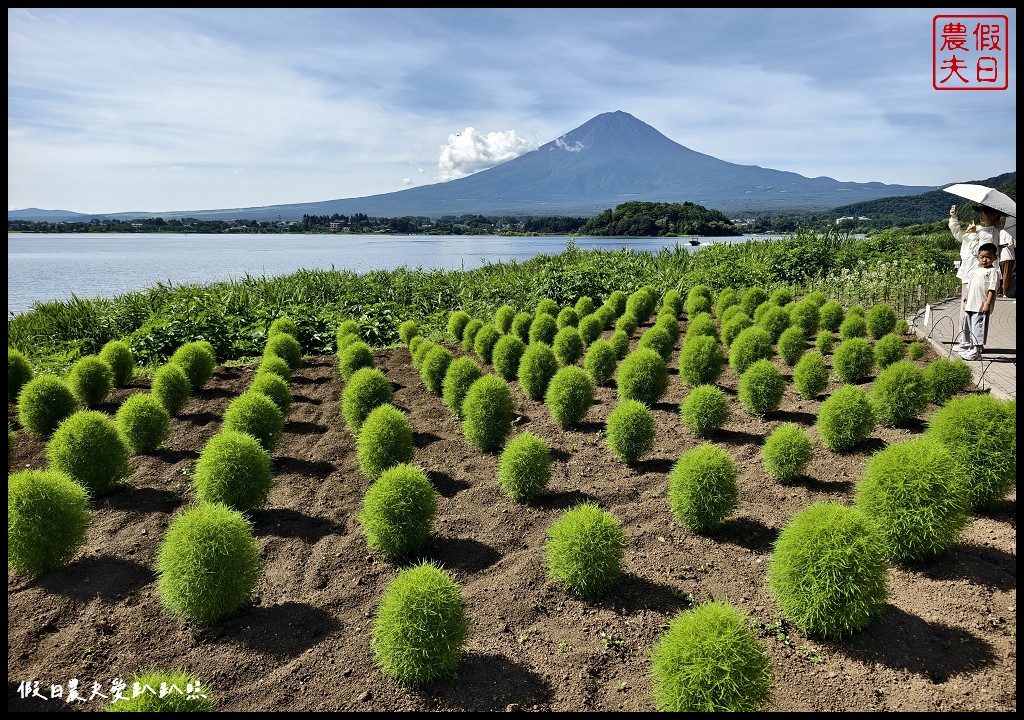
x: 590, y: 328
x: 805, y: 315
x: 701, y: 360
x: 275, y: 388
x: 254, y: 413
x: 208, y: 563
x: 701, y: 324
x: 488, y: 411
x: 854, y: 359
x: 569, y: 395
x: 698, y: 300
x: 521, y: 326
x: 584, y: 306
x: 462, y: 373
x: 19, y: 372
x: 709, y: 660
x: 536, y: 368
x: 420, y: 628
x: 567, y: 317
x: 630, y: 431
x: 946, y: 377
x: 171, y: 387
x: 435, y: 366
x: 810, y: 375
x: 792, y: 344
x: 702, y: 489
x: 727, y: 298
x: 889, y: 349
x: 729, y: 312
x: 286, y: 347
x: 469, y: 333
x: 44, y: 401
x: 407, y: 331
x: 899, y: 394
x: 774, y: 320
x: 233, y: 469
x: 355, y: 356
x: 457, y: 321
x: 643, y: 376
x: 398, y: 512
x: 484, y: 341
x: 751, y: 345
x: 508, y: 351
x: 831, y: 316
x: 276, y: 365
x: 11, y: 441
x: 547, y: 306
x: 657, y: 338
x: 980, y: 432
x: 916, y: 350
x: 198, y: 362
x: 419, y: 351
x: 828, y: 570
x: 346, y: 332
x: 902, y: 327
x: 175, y: 700
x: 705, y: 410
x: 584, y: 550
x: 641, y: 304
x: 89, y: 446
x: 503, y: 317
x: 47, y: 519
x: 845, y: 419
x: 144, y: 421
x: 543, y: 329
x: 568, y: 345
x: 781, y: 297
x: 600, y: 361
x: 786, y: 453
x: 881, y: 320
x: 384, y: 440
x: 627, y: 323
x: 917, y: 494
x: 824, y: 342
x: 118, y: 355
x: 525, y: 467
x: 854, y: 326
x: 736, y: 324
x: 367, y: 389
x: 617, y: 300
x: 90, y: 380
x: 752, y: 299
x: 283, y: 325
x: 620, y: 343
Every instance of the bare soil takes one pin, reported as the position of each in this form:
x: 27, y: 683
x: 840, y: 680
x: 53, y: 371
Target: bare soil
x: 946, y: 641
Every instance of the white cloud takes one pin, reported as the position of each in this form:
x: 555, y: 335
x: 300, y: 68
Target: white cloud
x: 575, y: 147
x: 468, y: 152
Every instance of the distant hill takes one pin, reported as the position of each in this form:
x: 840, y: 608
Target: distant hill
x: 611, y: 159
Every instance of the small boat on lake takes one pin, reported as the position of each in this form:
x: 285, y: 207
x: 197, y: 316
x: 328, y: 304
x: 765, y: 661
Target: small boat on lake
x: 694, y: 241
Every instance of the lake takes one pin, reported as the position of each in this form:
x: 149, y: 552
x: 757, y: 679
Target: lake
x: 53, y: 266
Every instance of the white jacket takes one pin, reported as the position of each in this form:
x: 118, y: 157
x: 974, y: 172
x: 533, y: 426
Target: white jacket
x: 969, y: 244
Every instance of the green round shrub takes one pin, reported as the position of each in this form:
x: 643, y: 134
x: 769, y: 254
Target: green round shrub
x: 824, y: 342
x: 810, y: 376
x: 503, y: 318
x: 731, y: 328
x: 761, y: 309
x: 275, y: 365
x: 899, y: 394
x: 233, y: 469
x: 761, y: 388
x: 144, y: 421
x: 643, y: 376
x: 254, y: 413
x: 488, y: 411
x: 774, y: 320
x: 666, y: 320
x: 355, y: 356
x: 854, y: 359
x: 828, y: 570
x: 752, y: 344
x: 346, y: 328
x: 275, y: 388
x: 627, y: 323
x: 674, y: 300
x: 702, y: 488
x: 888, y: 350
x: 709, y: 660
x: 283, y: 325
x: 398, y: 512
x: 420, y: 629
x: 171, y: 387
x: 916, y: 350
x: 197, y: 361
x: 657, y: 339
x: 590, y: 328
x: 568, y: 345
x: 845, y: 419
x: 854, y: 326
x: 118, y: 355
x: 805, y: 315
x: 469, y: 333
x: 91, y: 380
x: 90, y: 447
x: 507, y: 353
x: 543, y: 328
x: 705, y: 410
x: 19, y: 372
x: 781, y: 296
x: 368, y: 388
x: 630, y: 431
x: 547, y: 306
x: 617, y: 300
x: 180, y: 700
x: 584, y: 550
x: 384, y: 440
x: 946, y: 377
x: 702, y: 324
x: 208, y: 563
x: 286, y: 347
x: 435, y: 366
x: 484, y: 341
x: 620, y: 343
x: 600, y: 361
x: 584, y: 306
x: 525, y: 467
x: 44, y: 401
x: 462, y: 373
x: 567, y: 316
x: 792, y: 344
x: 521, y: 326
x: 881, y: 320
x: 696, y: 298
x: 457, y: 321
x: 752, y: 299
x: 701, y: 360
x: 727, y: 298
x: 536, y: 368
x: 831, y: 316
x: 47, y: 519
x: 729, y: 312
x: 641, y: 304
x: 414, y: 342
x: 786, y: 452
x: 980, y: 432
x: 902, y: 327
x: 419, y: 352
x: 569, y: 395
x: 918, y: 496
x: 407, y: 330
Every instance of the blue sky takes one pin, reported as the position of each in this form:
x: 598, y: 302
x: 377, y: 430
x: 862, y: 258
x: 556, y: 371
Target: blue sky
x: 116, y: 110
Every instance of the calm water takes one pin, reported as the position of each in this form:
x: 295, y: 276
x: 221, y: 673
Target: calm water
x: 43, y: 267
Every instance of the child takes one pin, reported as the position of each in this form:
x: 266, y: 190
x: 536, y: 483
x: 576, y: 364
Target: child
x: 982, y: 286
x: 970, y: 240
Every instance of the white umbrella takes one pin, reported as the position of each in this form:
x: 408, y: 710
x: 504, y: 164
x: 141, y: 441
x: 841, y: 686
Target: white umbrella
x: 990, y: 197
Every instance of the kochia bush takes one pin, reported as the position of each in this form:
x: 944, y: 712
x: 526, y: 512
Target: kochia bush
x: 507, y: 353
x: 568, y: 345
x: 47, y: 520
x: 810, y: 376
x: 462, y: 373
x: 536, y: 368
x: 90, y: 379
x: 90, y: 447
x: 19, y: 372
x: 761, y: 388
x: 543, y: 328
x: 854, y: 359
x: 118, y: 355
x: 354, y: 356
x: 283, y: 325
x: 484, y: 341
x: 899, y: 394
x: 525, y: 467
x: 384, y: 440
x: 254, y: 413
x: 630, y: 431
x: 752, y: 344
x: 198, y: 362
x: 489, y: 411
x: 398, y: 512
x: 881, y: 320
x: 643, y: 376
x: 702, y: 488
x: 44, y: 401
x: 503, y: 318
x: 171, y: 702
x: 946, y: 377
x: 889, y: 349
x: 469, y: 333
x: 435, y: 366
x: 145, y: 422
x: 569, y: 395
x: 275, y: 388
x: 457, y: 321
x: 172, y: 388
x: 701, y: 360
x: 600, y: 361
x: 705, y: 410
x: 367, y: 389
x: 786, y: 452
x: 407, y: 330
x: 845, y: 419
x: 584, y: 550
x: 233, y: 469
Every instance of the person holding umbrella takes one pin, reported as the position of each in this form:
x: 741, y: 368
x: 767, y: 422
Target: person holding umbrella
x: 1008, y: 255
x: 971, y: 240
